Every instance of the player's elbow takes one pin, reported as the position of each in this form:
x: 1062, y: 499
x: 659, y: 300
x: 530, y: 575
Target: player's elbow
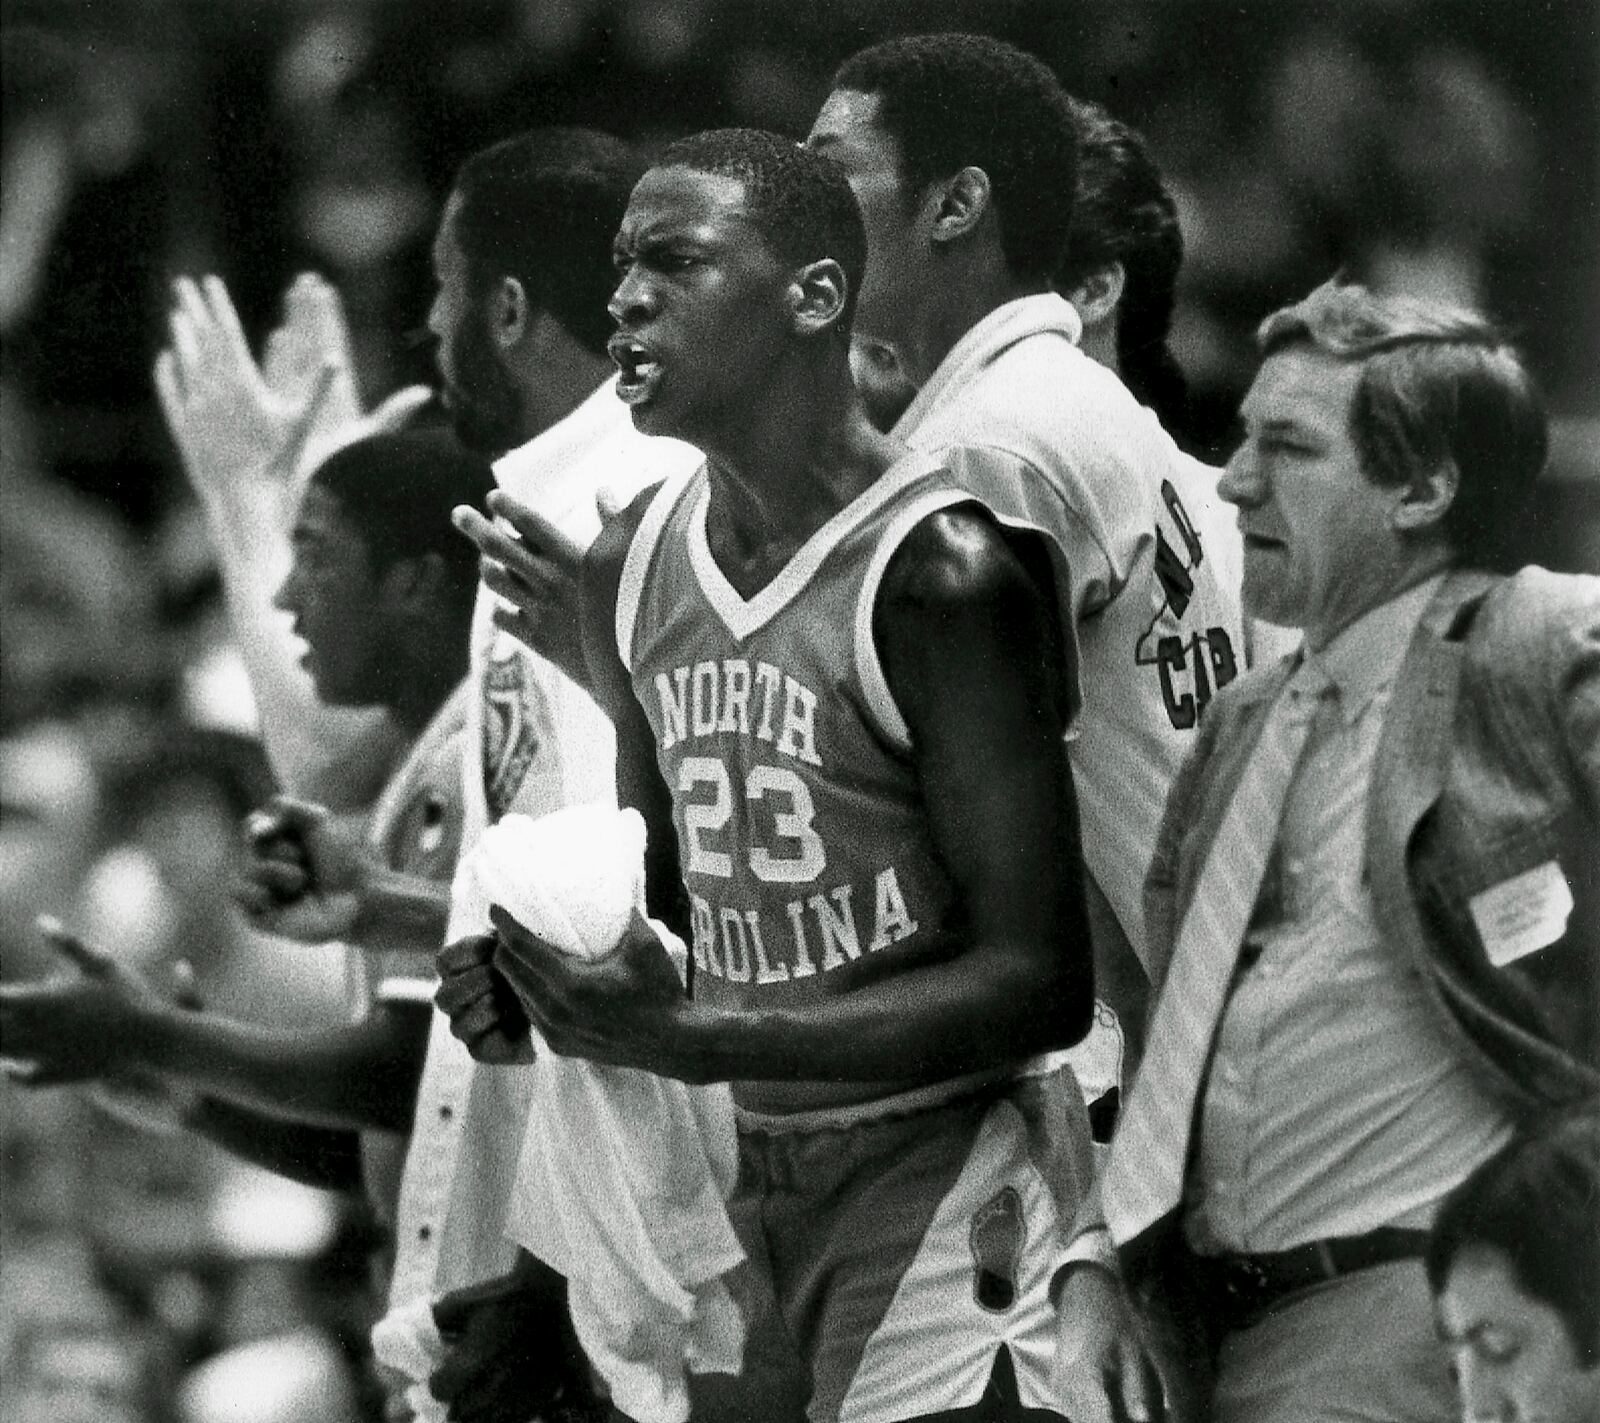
x: 1071, y: 1011
x: 1057, y: 998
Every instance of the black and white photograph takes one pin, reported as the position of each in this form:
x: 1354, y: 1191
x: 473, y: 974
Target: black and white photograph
x: 799, y: 711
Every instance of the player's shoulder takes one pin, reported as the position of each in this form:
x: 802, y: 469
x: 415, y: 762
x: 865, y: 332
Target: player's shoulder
x: 1071, y: 418
x: 953, y: 556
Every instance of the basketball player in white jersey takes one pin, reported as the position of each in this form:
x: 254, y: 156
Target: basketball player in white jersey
x: 961, y: 149
x: 840, y: 696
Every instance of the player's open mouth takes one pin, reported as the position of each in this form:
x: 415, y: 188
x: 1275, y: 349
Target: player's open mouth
x: 638, y: 371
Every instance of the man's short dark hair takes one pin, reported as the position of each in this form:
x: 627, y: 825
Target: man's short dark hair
x: 1438, y: 382
x: 952, y: 101
x: 1538, y: 1204
x: 397, y: 492
x: 543, y: 207
x: 799, y: 200
x: 1125, y: 213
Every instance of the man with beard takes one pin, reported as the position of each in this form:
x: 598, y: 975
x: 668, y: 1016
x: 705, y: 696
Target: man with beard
x: 522, y: 261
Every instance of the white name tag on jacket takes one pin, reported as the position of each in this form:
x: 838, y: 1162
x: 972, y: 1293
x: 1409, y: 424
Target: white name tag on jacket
x: 1522, y: 914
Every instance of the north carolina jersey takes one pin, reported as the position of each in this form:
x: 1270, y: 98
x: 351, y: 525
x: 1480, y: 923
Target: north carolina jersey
x: 802, y: 835
x: 1050, y: 436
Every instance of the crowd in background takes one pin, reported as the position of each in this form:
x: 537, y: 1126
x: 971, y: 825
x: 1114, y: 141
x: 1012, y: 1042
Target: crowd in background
x: 1449, y: 147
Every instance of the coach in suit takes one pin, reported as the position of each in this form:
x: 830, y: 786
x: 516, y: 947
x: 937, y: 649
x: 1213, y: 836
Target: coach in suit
x: 1359, y: 902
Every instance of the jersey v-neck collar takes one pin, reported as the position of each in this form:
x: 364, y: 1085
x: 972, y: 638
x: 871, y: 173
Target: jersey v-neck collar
x: 744, y: 616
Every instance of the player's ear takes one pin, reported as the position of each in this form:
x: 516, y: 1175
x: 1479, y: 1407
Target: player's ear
x: 1097, y: 296
x: 960, y: 203
x: 817, y: 296
x: 415, y: 585
x: 509, y: 312
x: 1426, y: 498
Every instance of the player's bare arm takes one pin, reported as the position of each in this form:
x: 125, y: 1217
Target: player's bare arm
x: 325, y: 1157
x: 105, y: 1019
x: 309, y: 876
x: 972, y: 655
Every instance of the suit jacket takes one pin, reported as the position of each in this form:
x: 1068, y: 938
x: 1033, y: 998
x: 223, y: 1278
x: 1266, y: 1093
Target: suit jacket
x: 1488, y: 766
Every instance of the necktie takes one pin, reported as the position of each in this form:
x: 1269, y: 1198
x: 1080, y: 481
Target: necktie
x: 1144, y: 1172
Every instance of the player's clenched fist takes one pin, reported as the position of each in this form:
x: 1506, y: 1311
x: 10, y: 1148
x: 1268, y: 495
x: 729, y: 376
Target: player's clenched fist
x: 484, y: 1013
x: 305, y: 876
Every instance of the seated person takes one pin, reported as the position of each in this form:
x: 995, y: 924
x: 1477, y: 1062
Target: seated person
x: 1514, y: 1263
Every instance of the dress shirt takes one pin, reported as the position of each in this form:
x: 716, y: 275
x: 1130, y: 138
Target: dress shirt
x: 535, y: 742
x: 1334, y: 1102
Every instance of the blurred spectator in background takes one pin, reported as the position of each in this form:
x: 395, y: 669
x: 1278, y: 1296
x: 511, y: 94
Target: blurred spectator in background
x: 1121, y: 266
x: 249, y: 435
x: 1514, y: 1263
x: 382, y: 590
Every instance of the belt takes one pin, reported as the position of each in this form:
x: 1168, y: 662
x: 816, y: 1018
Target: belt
x: 1243, y: 1288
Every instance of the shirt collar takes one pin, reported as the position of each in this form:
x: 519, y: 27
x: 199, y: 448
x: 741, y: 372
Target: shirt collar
x: 538, y: 472
x: 1363, y: 659
x: 997, y: 332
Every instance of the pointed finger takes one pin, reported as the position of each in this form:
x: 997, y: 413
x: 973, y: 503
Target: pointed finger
x: 541, y: 536
x: 87, y: 959
x: 491, y: 541
x: 514, y: 623
x: 512, y: 584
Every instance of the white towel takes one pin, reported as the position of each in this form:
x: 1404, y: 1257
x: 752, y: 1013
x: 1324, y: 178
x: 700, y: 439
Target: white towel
x: 407, y: 1341
x: 624, y: 1175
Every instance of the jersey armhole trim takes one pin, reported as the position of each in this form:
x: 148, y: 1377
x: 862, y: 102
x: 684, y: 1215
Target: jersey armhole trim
x: 630, y: 589
x: 881, y: 705
x: 1064, y: 602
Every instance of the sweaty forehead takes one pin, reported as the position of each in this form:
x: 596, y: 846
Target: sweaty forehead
x: 677, y: 199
